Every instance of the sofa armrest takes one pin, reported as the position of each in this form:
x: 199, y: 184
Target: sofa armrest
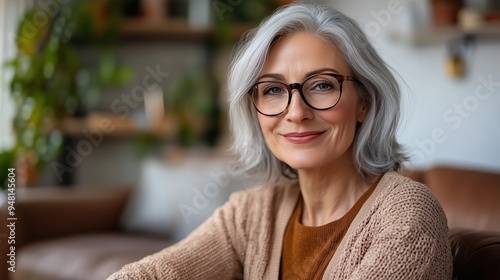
x: 469, y: 197
x: 51, y: 212
x: 476, y: 254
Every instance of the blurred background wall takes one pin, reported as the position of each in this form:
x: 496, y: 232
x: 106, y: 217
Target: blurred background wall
x: 443, y: 119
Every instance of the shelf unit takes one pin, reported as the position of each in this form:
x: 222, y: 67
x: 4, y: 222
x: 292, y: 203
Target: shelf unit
x: 443, y: 34
x: 175, y: 29
x: 122, y: 128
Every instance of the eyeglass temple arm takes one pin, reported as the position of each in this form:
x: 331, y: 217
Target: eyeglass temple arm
x: 349, y: 78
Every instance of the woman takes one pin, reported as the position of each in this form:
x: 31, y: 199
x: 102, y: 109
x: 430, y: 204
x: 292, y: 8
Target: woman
x: 313, y: 110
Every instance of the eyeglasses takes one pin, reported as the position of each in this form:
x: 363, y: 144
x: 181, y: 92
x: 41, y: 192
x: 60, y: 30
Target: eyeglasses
x: 320, y: 92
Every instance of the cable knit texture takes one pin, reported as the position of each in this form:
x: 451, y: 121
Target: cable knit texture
x: 399, y: 233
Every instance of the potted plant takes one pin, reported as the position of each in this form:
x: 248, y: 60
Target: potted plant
x: 52, y: 81
x: 194, y: 103
x: 445, y: 12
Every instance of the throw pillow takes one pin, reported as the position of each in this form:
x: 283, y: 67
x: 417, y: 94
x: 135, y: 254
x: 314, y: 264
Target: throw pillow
x: 172, y: 199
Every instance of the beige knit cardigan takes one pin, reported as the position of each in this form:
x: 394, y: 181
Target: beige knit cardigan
x: 399, y: 233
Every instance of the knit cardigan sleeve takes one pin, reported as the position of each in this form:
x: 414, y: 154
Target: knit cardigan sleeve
x: 407, y: 239
x: 213, y: 251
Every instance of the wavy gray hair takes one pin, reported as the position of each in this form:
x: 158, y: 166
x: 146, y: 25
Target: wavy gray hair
x: 375, y: 147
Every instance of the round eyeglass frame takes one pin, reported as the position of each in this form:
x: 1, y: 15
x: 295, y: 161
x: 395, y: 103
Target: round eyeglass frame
x: 298, y: 86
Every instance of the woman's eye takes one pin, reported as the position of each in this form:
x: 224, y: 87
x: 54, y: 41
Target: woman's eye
x: 273, y: 90
x: 324, y: 86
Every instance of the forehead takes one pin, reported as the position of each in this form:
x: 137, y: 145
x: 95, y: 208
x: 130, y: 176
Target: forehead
x: 297, y: 54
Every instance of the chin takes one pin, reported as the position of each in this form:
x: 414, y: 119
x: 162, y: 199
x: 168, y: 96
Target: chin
x: 305, y: 161
x: 302, y: 166
x: 315, y: 158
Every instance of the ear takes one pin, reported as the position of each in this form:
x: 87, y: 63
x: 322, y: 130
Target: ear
x: 361, y: 111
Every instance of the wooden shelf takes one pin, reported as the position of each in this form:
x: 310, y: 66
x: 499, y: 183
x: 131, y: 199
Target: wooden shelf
x: 79, y: 127
x: 173, y: 29
x: 443, y: 34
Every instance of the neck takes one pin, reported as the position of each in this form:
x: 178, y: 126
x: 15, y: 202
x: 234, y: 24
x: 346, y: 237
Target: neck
x: 330, y: 192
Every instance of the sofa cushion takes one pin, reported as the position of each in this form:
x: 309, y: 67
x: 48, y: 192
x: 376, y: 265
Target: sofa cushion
x: 82, y: 257
x: 173, y: 198
x: 469, y: 198
x: 476, y: 254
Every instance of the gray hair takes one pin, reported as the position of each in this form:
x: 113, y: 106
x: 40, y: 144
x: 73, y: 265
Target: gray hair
x: 375, y: 149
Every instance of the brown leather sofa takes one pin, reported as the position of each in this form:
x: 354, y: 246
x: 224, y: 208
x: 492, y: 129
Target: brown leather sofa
x: 75, y: 233
x: 72, y: 233
x: 471, y: 201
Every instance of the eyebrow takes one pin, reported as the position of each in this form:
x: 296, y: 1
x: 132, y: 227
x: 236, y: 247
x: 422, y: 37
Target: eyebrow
x: 280, y: 77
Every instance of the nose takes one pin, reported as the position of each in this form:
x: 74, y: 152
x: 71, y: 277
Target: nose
x: 297, y: 110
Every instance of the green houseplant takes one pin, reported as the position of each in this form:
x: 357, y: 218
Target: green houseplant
x: 51, y: 80
x: 194, y: 102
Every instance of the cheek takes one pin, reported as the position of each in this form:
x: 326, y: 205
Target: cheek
x: 267, y: 125
x: 343, y: 115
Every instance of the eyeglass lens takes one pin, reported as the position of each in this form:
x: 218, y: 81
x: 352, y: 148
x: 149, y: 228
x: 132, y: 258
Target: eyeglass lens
x: 320, y: 92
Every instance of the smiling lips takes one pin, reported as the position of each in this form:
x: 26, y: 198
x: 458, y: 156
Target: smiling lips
x: 302, y: 137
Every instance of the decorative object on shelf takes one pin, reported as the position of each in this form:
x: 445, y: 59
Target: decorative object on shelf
x: 455, y: 65
x: 470, y: 19
x: 445, y: 12
x: 154, y: 107
x: 459, y: 56
x: 50, y: 78
x: 154, y: 10
x: 199, y: 15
